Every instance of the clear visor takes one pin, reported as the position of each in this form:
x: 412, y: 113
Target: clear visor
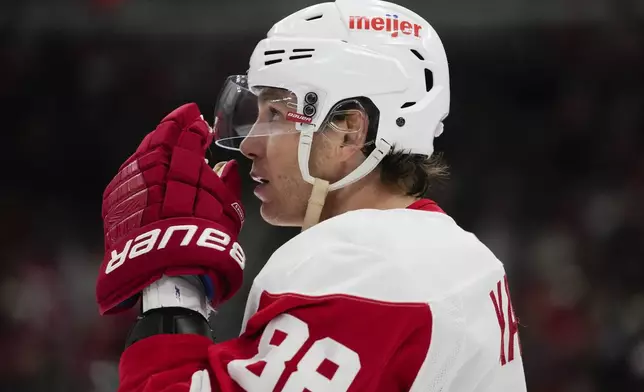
x: 241, y: 113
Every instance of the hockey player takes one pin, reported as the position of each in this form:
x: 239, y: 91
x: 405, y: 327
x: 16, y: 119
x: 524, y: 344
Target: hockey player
x: 382, y: 291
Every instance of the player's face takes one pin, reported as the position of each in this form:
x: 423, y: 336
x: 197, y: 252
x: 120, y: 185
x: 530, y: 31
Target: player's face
x: 282, y: 190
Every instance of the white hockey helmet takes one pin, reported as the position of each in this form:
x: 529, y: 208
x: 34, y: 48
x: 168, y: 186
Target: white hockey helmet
x: 329, y: 53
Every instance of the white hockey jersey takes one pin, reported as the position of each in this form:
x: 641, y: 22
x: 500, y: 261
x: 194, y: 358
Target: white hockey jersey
x: 371, y: 300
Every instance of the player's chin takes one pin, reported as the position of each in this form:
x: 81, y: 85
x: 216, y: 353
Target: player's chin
x: 274, y: 215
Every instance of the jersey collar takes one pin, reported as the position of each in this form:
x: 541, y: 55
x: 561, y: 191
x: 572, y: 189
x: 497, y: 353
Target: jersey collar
x: 425, y: 205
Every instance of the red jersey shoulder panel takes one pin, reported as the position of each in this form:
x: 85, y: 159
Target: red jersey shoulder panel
x: 339, y: 342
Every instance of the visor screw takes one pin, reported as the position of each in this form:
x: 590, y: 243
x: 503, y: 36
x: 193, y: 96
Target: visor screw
x: 400, y: 121
x: 309, y: 110
x: 311, y: 98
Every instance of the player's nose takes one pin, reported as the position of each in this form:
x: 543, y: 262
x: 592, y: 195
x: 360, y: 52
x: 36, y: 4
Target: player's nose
x: 253, y: 146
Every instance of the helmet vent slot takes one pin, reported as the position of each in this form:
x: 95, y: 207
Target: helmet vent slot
x: 407, y: 104
x: 271, y: 52
x: 314, y: 17
x: 269, y: 62
x: 300, y: 56
x: 299, y: 50
x: 420, y: 56
x: 429, y: 80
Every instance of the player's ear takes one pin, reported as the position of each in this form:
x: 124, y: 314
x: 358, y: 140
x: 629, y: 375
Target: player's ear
x: 350, y: 127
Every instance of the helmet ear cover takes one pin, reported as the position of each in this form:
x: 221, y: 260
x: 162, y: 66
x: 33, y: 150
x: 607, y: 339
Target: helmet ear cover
x: 371, y: 116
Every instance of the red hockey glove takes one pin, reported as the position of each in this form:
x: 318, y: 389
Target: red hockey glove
x: 167, y: 212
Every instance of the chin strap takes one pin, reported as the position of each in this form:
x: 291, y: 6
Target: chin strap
x: 316, y: 203
x: 322, y: 187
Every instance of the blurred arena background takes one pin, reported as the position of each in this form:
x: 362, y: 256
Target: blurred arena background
x: 545, y: 140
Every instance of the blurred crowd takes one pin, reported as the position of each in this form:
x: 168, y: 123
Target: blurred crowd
x: 546, y: 146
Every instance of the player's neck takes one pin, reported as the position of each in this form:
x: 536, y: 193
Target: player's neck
x: 364, y: 196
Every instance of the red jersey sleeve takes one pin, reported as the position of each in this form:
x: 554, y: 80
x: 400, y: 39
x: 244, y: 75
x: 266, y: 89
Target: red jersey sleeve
x: 163, y: 363
x: 293, y: 343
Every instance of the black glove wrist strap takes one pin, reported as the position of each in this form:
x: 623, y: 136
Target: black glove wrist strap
x: 173, y: 320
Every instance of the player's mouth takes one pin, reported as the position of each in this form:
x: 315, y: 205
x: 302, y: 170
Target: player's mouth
x: 261, y: 189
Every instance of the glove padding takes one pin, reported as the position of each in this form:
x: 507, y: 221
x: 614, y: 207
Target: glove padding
x: 167, y: 212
